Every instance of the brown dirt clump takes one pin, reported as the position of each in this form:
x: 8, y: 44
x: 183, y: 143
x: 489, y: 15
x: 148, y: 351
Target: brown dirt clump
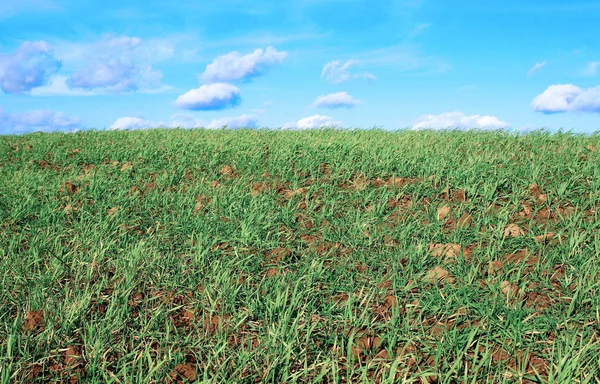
x: 443, y: 212
x: 70, y: 188
x: 184, y: 318
x: 150, y: 187
x: 226, y: 171
x: 279, y: 254
x: 450, y: 251
x: 513, y: 230
x: 258, y: 188
x: 126, y: 167
x: 34, y: 321
x: 310, y: 239
x: 213, y: 323
x: 183, y: 373
x: 457, y: 195
x: 72, y: 356
x: 366, y: 345
x: 339, y: 298
x: 387, y: 307
x: 464, y: 221
x: 47, y: 165
x: 439, y: 275
x: 537, y: 194
x: 548, y: 238
x: 201, y: 204
x: 509, y: 289
x: 494, y: 267
x: 522, y: 256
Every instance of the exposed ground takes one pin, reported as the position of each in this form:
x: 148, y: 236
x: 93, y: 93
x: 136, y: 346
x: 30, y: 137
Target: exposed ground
x: 242, y: 256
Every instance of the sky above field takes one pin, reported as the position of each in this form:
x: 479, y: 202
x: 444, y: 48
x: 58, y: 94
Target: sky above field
x: 71, y: 65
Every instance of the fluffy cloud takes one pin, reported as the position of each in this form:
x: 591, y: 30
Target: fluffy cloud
x: 567, y: 98
x: 315, y: 121
x: 184, y: 120
x: 458, y: 120
x: 243, y: 121
x: 335, y: 73
x: 115, y: 67
x: 31, y: 66
x: 38, y: 120
x: 131, y: 122
x: 336, y: 100
x: 177, y: 120
x: 210, y: 97
x: 232, y: 66
x: 536, y: 67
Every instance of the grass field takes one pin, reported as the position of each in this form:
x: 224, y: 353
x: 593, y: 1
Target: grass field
x: 299, y: 256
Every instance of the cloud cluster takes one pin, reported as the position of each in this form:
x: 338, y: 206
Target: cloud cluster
x: 335, y: 72
x: 458, y: 120
x: 115, y: 65
x: 232, y: 66
x: 560, y: 98
x: 31, y: 66
x: 243, y: 121
x: 336, y: 100
x: 38, y: 120
x: 311, y: 122
x: 217, y: 94
x: 182, y: 120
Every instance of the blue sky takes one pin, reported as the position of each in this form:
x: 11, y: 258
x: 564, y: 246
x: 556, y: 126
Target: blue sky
x: 69, y: 65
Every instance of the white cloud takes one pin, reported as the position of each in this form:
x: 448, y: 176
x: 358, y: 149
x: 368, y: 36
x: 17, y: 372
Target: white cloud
x: 177, y: 120
x: 536, y: 67
x: 232, y: 66
x: 116, y: 64
x: 335, y: 73
x: 592, y: 68
x: 76, y: 55
x: 31, y: 66
x: 560, y: 98
x: 184, y: 120
x: 210, y: 97
x: 336, y: 100
x: 315, y: 121
x: 57, y: 86
x: 458, y: 120
x: 38, y: 120
x: 131, y: 122
x: 243, y: 121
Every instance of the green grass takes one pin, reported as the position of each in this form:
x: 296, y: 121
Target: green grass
x: 140, y: 270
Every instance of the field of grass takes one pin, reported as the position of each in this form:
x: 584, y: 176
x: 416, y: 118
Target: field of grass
x: 299, y: 256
